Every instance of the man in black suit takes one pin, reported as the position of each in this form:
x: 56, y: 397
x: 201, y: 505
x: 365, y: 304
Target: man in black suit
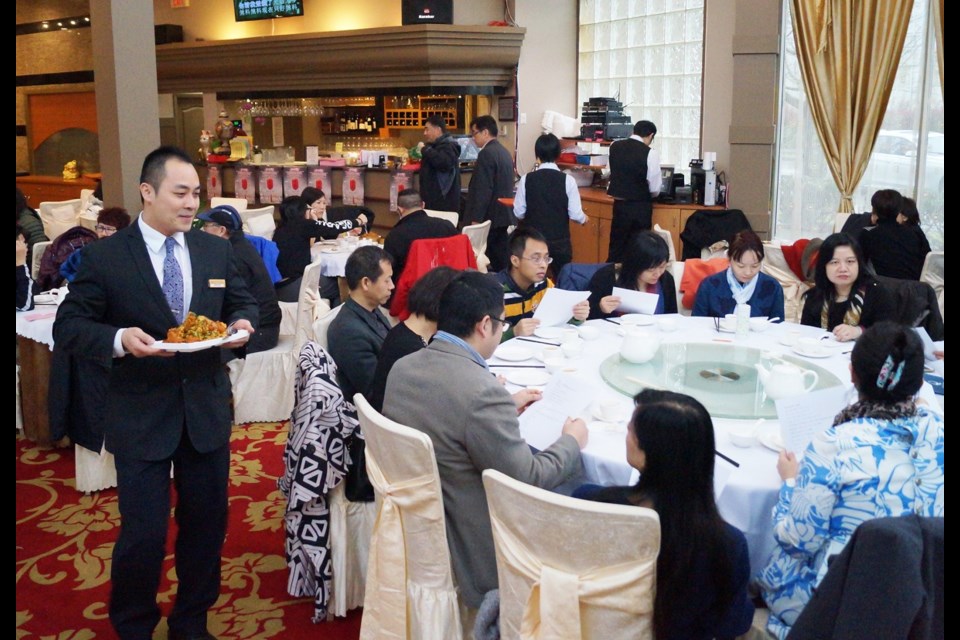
x: 492, y: 179
x: 357, y: 333
x: 634, y: 183
x: 414, y: 224
x: 440, y: 167
x: 162, y: 408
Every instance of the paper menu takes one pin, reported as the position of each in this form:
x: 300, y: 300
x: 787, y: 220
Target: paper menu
x: 556, y: 306
x: 636, y: 301
x: 804, y: 416
x: 565, y: 396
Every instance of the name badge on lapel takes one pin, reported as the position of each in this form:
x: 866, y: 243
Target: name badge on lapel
x: 217, y: 283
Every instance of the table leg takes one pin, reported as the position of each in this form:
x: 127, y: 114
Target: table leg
x: 35, y: 360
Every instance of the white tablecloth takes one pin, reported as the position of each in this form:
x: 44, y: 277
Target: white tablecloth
x: 37, y: 324
x: 751, y: 490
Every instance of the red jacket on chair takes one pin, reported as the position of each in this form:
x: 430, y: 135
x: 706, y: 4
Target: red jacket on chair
x: 455, y: 251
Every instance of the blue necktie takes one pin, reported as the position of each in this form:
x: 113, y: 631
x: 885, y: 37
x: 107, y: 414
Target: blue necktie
x: 173, y: 281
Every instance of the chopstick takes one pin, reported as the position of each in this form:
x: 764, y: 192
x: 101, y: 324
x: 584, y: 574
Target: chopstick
x: 552, y: 344
x: 716, y: 323
x: 518, y: 366
x: 612, y: 320
x: 727, y: 458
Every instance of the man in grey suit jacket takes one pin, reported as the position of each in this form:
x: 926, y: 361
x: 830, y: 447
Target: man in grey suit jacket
x: 161, y: 408
x: 357, y: 333
x: 447, y: 392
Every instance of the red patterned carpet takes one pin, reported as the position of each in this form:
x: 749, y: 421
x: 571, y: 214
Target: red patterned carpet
x: 65, y: 540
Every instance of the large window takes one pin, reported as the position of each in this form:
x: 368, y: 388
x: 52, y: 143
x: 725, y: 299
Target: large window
x: 907, y: 156
x: 650, y: 55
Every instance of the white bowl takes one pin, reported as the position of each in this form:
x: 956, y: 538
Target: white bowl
x: 759, y: 324
x: 588, y: 332
x: 743, y: 435
x: 572, y: 349
x: 667, y: 324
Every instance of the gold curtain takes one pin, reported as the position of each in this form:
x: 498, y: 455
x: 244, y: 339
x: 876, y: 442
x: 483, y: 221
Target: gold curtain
x: 848, y: 52
x: 938, y: 30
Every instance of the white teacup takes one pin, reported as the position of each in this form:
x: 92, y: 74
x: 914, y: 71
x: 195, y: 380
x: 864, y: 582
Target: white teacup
x: 813, y: 346
x: 743, y: 435
x: 554, y: 363
x: 572, y: 349
x: 609, y: 410
x: 630, y: 320
x: 569, y: 335
x: 550, y: 352
x: 790, y: 338
x: 588, y: 332
x: 667, y: 324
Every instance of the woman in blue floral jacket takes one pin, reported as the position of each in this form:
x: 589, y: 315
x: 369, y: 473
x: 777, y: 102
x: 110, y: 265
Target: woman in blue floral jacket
x: 882, y: 457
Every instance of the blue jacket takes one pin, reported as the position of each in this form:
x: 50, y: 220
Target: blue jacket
x: 715, y: 299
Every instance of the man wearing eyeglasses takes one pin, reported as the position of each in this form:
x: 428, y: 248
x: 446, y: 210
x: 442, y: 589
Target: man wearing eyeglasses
x: 492, y: 179
x: 525, y: 282
x: 447, y: 391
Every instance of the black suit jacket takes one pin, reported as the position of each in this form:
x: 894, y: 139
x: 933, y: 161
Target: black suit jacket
x: 151, y: 400
x: 492, y: 179
x: 410, y: 227
x: 441, y: 158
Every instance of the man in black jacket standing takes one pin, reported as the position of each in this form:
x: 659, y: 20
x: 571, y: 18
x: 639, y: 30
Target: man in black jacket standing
x: 440, y: 168
x: 492, y: 179
x: 634, y: 183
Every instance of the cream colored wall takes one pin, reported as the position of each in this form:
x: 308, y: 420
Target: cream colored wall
x: 715, y: 117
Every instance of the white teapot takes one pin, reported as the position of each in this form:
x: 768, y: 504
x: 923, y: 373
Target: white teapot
x: 639, y: 345
x: 784, y: 379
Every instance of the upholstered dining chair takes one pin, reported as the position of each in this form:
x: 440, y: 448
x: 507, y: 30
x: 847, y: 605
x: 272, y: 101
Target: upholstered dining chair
x: 570, y: 568
x: 38, y: 250
x: 452, y: 216
x: 668, y: 238
x: 478, y: 238
x: 775, y: 265
x: 240, y: 204
x: 410, y: 590
x: 263, y: 383
x: 58, y: 216
x: 932, y: 274
x: 259, y: 222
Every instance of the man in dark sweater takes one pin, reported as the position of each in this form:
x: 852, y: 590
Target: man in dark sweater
x: 224, y: 222
x: 634, y: 183
x: 440, y: 168
x: 492, y: 179
x: 414, y: 224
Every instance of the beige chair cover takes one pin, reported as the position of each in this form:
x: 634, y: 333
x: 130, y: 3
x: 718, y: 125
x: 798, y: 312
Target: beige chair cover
x: 39, y: 248
x: 668, y: 238
x: 410, y: 589
x: 569, y: 568
x: 259, y: 222
x: 775, y: 265
x: 932, y: 274
x: 478, y: 240
x: 263, y: 382
x: 351, y: 527
x: 240, y: 204
x: 58, y: 216
x: 452, y: 216
x: 322, y: 325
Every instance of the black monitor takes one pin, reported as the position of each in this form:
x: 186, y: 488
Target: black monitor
x: 666, y: 178
x: 266, y: 9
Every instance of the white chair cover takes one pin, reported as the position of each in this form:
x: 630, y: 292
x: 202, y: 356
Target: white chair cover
x: 677, y: 270
x: 288, y: 319
x: 668, y: 238
x: 39, y: 248
x: 775, y: 265
x: 263, y: 383
x: 94, y: 471
x: 259, y: 222
x: 452, y: 216
x: 322, y: 324
x: 569, y: 568
x: 58, y: 216
x: 410, y: 588
x: 478, y: 240
x: 351, y: 527
x: 932, y: 274
x: 240, y: 204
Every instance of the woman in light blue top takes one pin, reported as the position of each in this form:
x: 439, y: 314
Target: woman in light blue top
x: 741, y: 282
x: 882, y: 457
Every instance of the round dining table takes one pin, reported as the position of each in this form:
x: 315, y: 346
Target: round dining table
x: 694, y: 357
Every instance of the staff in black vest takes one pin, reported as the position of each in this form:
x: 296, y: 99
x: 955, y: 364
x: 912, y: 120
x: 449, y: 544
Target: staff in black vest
x: 547, y: 199
x: 634, y: 183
